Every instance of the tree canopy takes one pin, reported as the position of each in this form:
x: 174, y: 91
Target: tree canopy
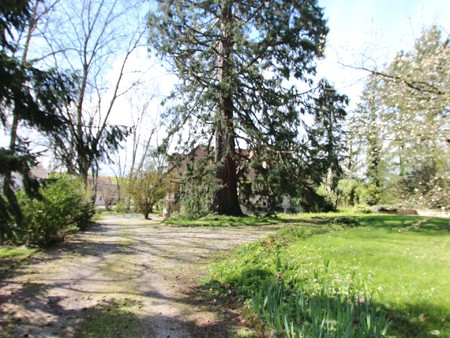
x: 96, y: 40
x: 404, y: 120
x: 246, y: 81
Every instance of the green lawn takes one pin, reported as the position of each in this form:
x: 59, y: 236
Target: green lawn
x: 404, y: 261
x: 11, y: 256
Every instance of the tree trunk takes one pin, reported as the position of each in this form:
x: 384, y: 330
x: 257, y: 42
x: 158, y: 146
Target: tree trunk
x: 226, y: 201
x: 147, y: 212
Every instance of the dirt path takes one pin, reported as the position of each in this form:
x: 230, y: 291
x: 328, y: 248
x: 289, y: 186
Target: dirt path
x: 137, y: 274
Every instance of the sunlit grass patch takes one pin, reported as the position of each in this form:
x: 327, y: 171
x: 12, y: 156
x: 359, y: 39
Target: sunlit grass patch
x: 401, y: 260
x: 410, y: 269
x: 10, y: 257
x: 17, y: 252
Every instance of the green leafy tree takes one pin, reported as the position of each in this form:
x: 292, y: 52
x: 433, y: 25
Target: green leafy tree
x: 137, y: 147
x: 239, y: 64
x: 327, y: 137
x: 147, y: 186
x: 370, y: 133
x: 417, y: 96
x: 406, y: 120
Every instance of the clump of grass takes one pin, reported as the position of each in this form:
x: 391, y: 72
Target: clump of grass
x: 18, y: 252
x: 116, y: 318
x: 329, y: 313
x: 323, y: 306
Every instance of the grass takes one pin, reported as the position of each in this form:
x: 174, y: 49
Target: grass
x: 10, y: 257
x: 222, y: 221
x: 117, y: 318
x: 16, y: 253
x: 401, y: 262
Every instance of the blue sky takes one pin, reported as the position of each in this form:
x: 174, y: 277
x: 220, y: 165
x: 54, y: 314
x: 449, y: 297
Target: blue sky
x: 368, y: 32
x: 371, y: 32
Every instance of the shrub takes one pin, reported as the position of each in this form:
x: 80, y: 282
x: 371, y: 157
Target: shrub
x: 345, y: 220
x: 198, y: 188
x: 369, y: 194
x: 362, y: 209
x: 121, y: 207
x: 347, y: 191
x: 62, y: 208
x: 147, y: 187
x: 312, y: 201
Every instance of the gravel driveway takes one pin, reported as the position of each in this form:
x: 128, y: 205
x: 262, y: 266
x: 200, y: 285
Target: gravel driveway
x: 146, y: 270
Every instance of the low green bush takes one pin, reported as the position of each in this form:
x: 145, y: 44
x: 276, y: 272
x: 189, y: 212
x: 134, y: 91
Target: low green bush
x: 369, y: 194
x: 63, y: 208
x: 362, y: 209
x: 345, y: 221
x: 121, y: 207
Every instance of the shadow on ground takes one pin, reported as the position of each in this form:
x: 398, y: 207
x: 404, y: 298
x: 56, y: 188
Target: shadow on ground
x: 44, y: 316
x: 36, y: 301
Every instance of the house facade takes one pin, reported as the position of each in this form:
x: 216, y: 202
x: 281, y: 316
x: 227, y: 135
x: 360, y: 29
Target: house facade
x: 106, y: 192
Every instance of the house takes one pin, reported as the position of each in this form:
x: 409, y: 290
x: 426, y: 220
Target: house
x: 38, y: 173
x: 106, y: 192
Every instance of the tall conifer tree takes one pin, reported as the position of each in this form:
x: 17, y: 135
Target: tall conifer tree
x: 239, y: 65
x: 29, y: 96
